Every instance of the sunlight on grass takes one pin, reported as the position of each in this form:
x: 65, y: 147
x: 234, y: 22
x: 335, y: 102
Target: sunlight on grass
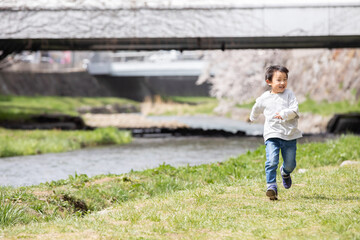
x: 314, y: 208
x: 210, y: 201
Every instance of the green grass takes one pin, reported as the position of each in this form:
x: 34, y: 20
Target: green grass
x: 9, y: 212
x: 189, y: 106
x: 19, y: 142
x: 323, y: 108
x: 212, y: 201
x: 20, y: 107
x: 193, y: 100
x: 23, y: 107
x: 326, y: 108
x: 248, y: 105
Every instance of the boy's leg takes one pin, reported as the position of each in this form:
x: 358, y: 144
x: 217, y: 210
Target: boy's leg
x: 288, y: 152
x: 272, y: 160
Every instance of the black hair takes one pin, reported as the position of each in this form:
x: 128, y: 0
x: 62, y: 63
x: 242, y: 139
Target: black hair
x: 270, y: 71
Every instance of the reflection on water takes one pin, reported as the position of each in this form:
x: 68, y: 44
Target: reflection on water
x: 138, y: 155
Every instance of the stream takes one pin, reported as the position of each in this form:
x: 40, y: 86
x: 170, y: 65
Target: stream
x: 142, y: 153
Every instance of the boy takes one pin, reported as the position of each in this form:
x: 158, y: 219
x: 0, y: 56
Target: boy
x: 280, y: 109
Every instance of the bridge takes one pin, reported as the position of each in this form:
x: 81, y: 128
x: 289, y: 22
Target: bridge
x: 177, y: 24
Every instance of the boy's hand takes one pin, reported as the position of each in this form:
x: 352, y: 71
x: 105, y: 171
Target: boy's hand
x: 248, y: 120
x: 278, y: 116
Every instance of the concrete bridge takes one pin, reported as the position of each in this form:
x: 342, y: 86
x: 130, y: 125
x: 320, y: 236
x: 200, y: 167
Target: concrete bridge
x: 177, y: 24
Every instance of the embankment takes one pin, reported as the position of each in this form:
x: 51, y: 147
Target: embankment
x: 81, y: 83
x: 78, y: 83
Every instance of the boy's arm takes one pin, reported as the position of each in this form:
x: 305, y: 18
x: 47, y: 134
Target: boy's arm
x: 256, y: 110
x: 292, y: 111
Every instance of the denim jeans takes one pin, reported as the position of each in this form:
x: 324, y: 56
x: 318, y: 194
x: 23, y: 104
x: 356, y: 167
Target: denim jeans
x: 288, y: 152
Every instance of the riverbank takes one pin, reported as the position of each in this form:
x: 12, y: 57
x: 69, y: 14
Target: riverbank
x: 21, y: 143
x: 211, y: 201
x: 13, y: 108
x: 25, y: 112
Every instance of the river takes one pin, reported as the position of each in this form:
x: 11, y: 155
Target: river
x: 142, y: 153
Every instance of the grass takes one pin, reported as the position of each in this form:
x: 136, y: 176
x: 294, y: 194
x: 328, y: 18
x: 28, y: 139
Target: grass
x: 175, y: 106
x: 20, y: 107
x: 19, y: 142
x: 323, y: 108
x: 213, y: 201
x: 248, y: 105
x: 192, y: 100
x: 23, y: 107
x: 326, y: 108
x: 9, y: 212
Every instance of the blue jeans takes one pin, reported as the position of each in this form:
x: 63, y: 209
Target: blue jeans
x: 288, y: 152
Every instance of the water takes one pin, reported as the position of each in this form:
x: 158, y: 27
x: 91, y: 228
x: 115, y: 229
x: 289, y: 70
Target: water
x: 139, y: 155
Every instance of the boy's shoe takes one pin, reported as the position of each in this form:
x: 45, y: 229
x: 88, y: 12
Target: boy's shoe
x: 271, y: 192
x: 286, y: 179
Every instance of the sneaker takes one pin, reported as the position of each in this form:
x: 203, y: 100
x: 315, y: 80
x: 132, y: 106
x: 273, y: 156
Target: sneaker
x: 271, y: 192
x: 286, y: 179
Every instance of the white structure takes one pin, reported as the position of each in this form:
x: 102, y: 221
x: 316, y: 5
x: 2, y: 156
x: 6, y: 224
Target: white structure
x: 179, y: 68
x: 149, y: 64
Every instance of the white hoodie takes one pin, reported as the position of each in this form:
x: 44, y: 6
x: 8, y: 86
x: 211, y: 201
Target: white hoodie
x: 287, y: 106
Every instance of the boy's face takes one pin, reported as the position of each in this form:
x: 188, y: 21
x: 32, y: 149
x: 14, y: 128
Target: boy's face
x: 278, y: 83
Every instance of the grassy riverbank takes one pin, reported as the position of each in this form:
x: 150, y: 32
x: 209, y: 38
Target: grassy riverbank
x: 328, y: 108
x: 178, y: 106
x: 24, y: 107
x: 214, y: 201
x: 323, y: 108
x: 20, y: 107
x: 19, y: 142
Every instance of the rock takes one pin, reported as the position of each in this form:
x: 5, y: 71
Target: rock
x: 302, y: 170
x: 349, y: 162
x: 344, y: 123
x: 313, y: 123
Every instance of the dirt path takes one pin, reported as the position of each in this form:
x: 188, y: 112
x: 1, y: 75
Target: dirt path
x: 124, y: 120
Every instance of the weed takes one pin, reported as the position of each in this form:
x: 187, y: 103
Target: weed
x: 10, y: 213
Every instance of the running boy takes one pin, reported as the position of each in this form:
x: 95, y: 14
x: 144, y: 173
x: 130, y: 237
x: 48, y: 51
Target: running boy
x: 280, y: 109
